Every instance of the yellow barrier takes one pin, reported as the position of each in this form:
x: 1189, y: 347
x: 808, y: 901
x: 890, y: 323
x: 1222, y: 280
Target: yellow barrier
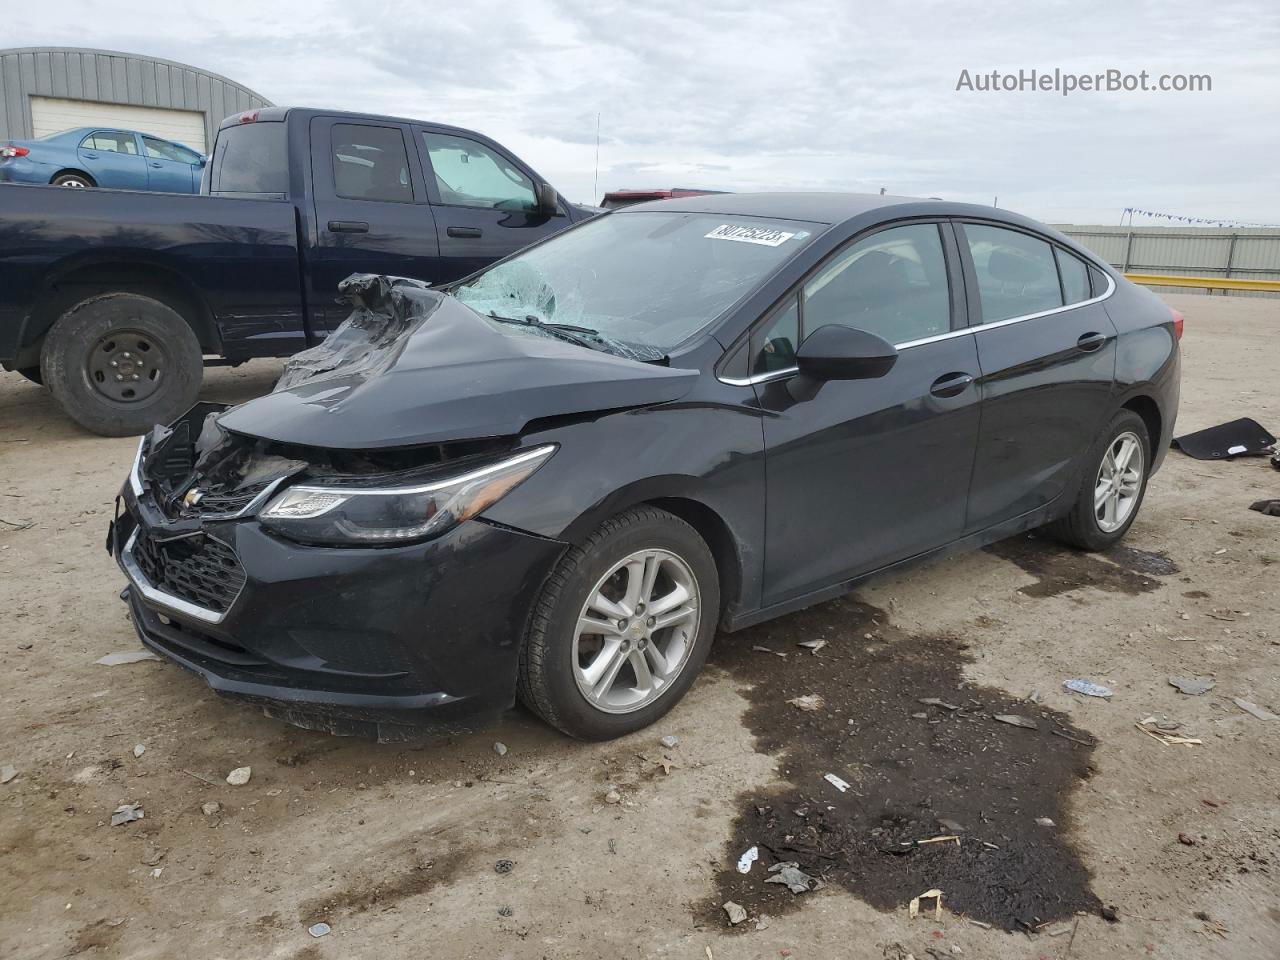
x: 1209, y: 283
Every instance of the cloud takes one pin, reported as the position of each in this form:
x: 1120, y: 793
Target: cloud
x: 807, y: 95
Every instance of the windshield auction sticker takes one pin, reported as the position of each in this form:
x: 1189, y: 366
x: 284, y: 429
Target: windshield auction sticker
x: 765, y: 236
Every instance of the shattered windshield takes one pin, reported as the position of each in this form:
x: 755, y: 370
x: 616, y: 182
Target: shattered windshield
x: 637, y: 283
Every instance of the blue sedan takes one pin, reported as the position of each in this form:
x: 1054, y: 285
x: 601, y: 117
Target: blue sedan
x: 97, y: 157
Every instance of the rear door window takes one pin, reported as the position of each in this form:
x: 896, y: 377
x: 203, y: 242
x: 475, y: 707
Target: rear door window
x: 469, y: 174
x: 111, y: 142
x: 164, y: 150
x: 251, y: 159
x: 370, y: 163
x: 1016, y: 272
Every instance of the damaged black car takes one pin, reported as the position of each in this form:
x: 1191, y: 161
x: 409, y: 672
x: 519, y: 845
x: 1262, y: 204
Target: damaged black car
x: 556, y: 480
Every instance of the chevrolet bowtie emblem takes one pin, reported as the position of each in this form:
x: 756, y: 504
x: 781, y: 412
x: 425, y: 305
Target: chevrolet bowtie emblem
x: 193, y: 498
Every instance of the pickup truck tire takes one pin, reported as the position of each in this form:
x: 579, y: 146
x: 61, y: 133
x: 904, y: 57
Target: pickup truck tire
x: 119, y: 363
x: 32, y: 374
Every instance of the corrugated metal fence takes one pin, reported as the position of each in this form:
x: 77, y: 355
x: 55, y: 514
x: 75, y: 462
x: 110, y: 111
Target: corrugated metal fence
x: 1252, y: 254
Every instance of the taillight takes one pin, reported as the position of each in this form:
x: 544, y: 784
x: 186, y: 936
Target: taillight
x: 249, y: 116
x: 13, y: 151
x: 1177, y: 323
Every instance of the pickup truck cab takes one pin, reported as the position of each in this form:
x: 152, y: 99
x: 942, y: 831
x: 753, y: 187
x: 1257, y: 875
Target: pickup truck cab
x: 117, y: 299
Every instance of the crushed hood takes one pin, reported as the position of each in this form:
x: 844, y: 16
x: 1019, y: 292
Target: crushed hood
x: 413, y: 366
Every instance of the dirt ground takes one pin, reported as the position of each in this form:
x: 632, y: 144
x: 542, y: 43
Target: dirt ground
x: 395, y: 846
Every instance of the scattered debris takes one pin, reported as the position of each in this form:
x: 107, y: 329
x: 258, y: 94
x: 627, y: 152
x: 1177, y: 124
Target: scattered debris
x: 1045, y: 822
x: 747, y: 859
x: 1017, y: 721
x: 979, y: 923
x: 504, y: 866
x: 913, y: 909
x: 7, y: 773
x: 943, y: 839
x: 500, y: 748
x: 239, y: 776
x: 613, y: 796
x: 1148, y: 726
x: 505, y: 911
x: 789, y: 872
x: 1087, y: 688
x: 202, y: 779
x: 210, y: 808
x: 670, y: 742
x: 1059, y: 931
x: 126, y: 656
x: 139, y: 749
x: 813, y: 646
x: 1227, y: 440
x: 776, y: 653
x: 1193, y: 686
x: 831, y: 778
x: 151, y: 854
x: 1066, y: 736
x: 1186, y: 840
x: 1109, y: 914
x: 935, y: 702
x: 126, y: 813
x: 809, y: 702
x: 735, y: 912
x: 1253, y: 709
x: 666, y: 765
x: 319, y: 930
x: 950, y: 825
x: 1268, y: 508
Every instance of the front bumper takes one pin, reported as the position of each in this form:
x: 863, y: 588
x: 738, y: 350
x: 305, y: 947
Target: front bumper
x: 367, y: 641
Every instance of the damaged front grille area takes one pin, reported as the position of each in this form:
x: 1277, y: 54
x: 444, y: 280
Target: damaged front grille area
x: 197, y: 569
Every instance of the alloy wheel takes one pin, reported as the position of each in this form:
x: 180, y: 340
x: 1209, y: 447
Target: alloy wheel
x: 636, y: 630
x: 1119, y: 482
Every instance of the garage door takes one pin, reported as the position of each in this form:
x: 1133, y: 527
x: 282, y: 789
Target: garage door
x: 50, y: 115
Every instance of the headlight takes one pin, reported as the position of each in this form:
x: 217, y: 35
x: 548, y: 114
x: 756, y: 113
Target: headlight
x: 345, y: 514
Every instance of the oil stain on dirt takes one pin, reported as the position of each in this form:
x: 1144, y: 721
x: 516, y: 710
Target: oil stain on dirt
x: 1059, y: 569
x: 915, y: 771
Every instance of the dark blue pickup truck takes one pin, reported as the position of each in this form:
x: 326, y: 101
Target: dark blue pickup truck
x: 117, y: 299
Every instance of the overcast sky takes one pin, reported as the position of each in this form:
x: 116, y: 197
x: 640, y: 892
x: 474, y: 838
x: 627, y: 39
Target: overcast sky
x: 754, y: 95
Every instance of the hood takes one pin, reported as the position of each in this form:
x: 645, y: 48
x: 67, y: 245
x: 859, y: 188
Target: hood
x: 412, y: 366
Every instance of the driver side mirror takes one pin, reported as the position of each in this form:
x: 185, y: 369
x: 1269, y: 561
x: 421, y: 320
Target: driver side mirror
x: 548, y: 200
x: 842, y: 353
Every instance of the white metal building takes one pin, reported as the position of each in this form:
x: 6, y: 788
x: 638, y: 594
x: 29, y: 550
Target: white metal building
x: 47, y: 89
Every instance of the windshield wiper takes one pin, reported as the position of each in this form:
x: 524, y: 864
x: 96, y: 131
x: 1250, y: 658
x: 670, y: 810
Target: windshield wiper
x: 565, y: 331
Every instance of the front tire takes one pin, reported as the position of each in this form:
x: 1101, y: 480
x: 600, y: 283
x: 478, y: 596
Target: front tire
x: 119, y: 363
x: 1112, y: 487
x: 622, y: 628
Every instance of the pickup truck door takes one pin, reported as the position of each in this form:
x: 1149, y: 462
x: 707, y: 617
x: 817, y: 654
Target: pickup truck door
x: 371, y: 211
x: 111, y: 157
x: 484, y: 200
x: 170, y: 168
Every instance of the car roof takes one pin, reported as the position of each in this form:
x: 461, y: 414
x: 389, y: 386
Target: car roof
x: 832, y: 208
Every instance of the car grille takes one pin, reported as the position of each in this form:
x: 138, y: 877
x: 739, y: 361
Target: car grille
x: 198, y: 569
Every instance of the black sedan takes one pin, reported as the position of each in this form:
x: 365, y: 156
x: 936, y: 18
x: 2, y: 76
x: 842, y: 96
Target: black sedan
x: 555, y: 480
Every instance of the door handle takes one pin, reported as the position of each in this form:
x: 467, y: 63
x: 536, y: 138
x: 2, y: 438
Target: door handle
x: 951, y: 385
x: 1090, y: 342
x: 91, y: 156
x: 155, y: 164
x: 469, y: 233
x: 348, y: 226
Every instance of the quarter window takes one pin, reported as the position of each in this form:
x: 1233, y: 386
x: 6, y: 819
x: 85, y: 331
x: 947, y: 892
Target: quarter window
x: 1016, y: 272
x: 1075, y: 276
x: 892, y: 283
x: 369, y: 163
x: 774, y: 343
x: 108, y: 142
x: 471, y: 175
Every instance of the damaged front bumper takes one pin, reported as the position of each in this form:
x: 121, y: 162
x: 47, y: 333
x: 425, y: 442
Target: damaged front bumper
x: 373, y: 641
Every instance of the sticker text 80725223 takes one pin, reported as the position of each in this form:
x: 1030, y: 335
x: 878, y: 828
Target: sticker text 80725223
x: 765, y: 236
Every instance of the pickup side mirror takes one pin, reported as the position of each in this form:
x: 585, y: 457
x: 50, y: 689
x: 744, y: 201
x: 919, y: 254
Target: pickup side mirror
x: 548, y: 200
x: 834, y: 352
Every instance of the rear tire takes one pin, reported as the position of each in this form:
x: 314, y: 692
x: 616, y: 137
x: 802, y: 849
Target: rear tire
x: 557, y: 657
x: 75, y: 180
x: 119, y: 363
x: 1099, y: 519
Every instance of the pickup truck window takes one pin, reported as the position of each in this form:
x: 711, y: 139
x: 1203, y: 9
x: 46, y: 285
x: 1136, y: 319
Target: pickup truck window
x: 471, y: 175
x: 370, y: 163
x: 251, y: 158
x: 111, y: 143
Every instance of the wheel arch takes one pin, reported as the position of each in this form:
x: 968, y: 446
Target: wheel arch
x: 1145, y: 406
x: 83, y: 278
x: 77, y: 172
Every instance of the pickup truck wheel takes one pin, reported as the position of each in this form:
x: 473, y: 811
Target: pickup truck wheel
x: 119, y: 363
x: 32, y: 374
